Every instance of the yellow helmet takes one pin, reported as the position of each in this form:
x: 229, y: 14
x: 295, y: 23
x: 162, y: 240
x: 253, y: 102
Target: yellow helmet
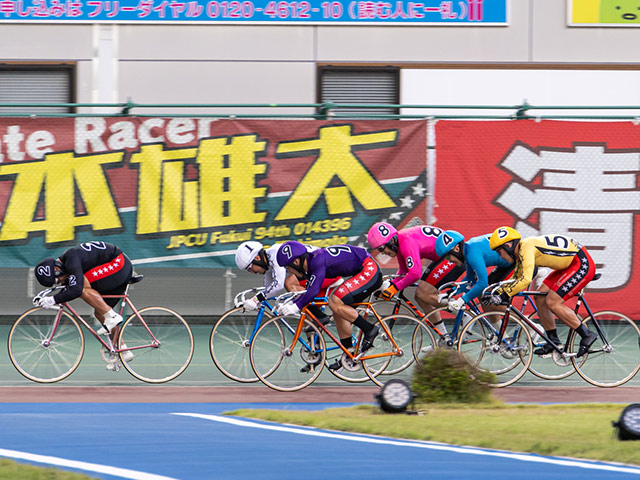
x: 503, y: 235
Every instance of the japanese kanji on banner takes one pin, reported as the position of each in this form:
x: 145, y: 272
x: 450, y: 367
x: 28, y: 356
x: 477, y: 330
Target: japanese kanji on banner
x: 186, y: 192
x: 549, y: 177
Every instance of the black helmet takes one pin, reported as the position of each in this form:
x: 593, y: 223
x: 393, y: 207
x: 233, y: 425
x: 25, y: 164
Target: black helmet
x: 45, y: 272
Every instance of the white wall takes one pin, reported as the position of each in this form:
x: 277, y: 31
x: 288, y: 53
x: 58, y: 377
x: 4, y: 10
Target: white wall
x: 512, y: 87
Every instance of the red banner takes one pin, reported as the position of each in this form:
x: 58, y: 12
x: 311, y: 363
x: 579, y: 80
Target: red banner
x: 546, y: 177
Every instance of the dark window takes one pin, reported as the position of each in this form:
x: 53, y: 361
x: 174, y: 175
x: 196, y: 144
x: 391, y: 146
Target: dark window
x: 360, y: 86
x: 37, y: 84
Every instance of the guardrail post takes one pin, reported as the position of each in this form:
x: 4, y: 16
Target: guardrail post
x: 325, y: 110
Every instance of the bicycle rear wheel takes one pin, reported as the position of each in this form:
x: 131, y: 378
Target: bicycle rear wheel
x: 229, y: 343
x: 610, y: 363
x: 508, y: 359
x: 36, y: 358
x: 161, y: 342
x: 549, y: 367
x: 278, y: 362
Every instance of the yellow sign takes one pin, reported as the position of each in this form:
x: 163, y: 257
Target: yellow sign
x: 613, y: 13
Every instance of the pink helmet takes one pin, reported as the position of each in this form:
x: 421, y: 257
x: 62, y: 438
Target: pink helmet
x: 380, y: 234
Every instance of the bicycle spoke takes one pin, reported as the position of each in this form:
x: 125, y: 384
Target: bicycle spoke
x: 229, y: 344
x: 162, y: 344
x: 280, y: 363
x: 41, y: 362
x: 612, y: 363
x: 507, y: 358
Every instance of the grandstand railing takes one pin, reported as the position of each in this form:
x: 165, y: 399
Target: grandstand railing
x: 321, y: 111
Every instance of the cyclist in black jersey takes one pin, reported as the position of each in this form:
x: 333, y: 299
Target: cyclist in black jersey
x: 88, y: 271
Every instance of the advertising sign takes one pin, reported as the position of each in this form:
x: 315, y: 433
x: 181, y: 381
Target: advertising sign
x: 599, y: 13
x: 186, y: 192
x: 578, y: 179
x: 360, y: 12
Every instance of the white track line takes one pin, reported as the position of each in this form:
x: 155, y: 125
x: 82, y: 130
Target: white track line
x: 87, y: 467
x: 407, y: 443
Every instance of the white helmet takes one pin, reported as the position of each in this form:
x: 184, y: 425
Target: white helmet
x: 246, y: 253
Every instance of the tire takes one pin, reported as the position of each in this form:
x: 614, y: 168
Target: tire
x: 383, y: 308
x: 277, y: 361
x: 229, y: 343
x: 547, y: 368
x: 508, y: 359
x: 163, y: 356
x: 612, y: 364
x: 45, y: 363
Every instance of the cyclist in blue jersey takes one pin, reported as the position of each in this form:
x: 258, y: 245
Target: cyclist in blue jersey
x: 477, y: 256
x: 362, y: 277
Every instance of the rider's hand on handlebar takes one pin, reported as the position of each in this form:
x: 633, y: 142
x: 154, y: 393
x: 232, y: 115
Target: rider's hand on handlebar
x: 251, y: 304
x: 454, y: 305
x: 46, y: 302
x: 389, y: 292
x: 494, y: 299
x: 288, y: 309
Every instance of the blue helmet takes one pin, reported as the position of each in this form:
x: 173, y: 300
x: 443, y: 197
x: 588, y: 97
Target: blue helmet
x: 446, y: 241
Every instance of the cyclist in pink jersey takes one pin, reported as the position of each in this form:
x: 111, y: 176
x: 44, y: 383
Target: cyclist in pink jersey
x: 410, y: 246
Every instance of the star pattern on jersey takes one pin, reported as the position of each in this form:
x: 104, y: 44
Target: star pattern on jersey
x: 107, y: 268
x: 360, y: 278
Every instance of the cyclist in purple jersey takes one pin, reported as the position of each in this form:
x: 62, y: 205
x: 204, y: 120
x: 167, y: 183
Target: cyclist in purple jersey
x: 362, y: 277
x: 410, y: 246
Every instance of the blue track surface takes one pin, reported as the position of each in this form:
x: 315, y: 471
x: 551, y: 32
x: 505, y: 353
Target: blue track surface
x: 151, y: 442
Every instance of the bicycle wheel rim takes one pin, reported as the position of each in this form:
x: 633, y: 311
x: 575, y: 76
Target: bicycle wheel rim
x: 280, y: 368
x: 161, y: 361
x: 40, y: 363
x: 508, y: 359
x: 229, y: 344
x: 616, y: 363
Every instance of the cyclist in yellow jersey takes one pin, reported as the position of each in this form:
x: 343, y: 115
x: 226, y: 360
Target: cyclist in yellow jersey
x: 572, y: 268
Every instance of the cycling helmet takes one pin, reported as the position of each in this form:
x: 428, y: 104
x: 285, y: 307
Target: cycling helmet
x: 446, y: 242
x: 45, y: 271
x: 289, y: 251
x: 383, y: 234
x: 246, y: 254
x: 503, y: 235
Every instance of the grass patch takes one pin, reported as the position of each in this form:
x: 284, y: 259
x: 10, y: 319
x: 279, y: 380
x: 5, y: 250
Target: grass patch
x: 578, y: 430
x: 10, y: 470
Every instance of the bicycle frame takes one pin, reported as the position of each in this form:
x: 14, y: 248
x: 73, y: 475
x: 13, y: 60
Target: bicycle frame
x: 360, y: 356
x: 108, y: 344
x: 580, y: 299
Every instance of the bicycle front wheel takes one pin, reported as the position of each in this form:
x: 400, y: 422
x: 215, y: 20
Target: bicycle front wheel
x: 229, y: 343
x: 161, y: 342
x: 280, y: 363
x: 39, y: 354
x: 614, y: 358
x: 507, y: 358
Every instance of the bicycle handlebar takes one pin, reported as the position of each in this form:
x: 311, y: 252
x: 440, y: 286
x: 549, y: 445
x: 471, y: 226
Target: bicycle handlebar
x: 241, y: 297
